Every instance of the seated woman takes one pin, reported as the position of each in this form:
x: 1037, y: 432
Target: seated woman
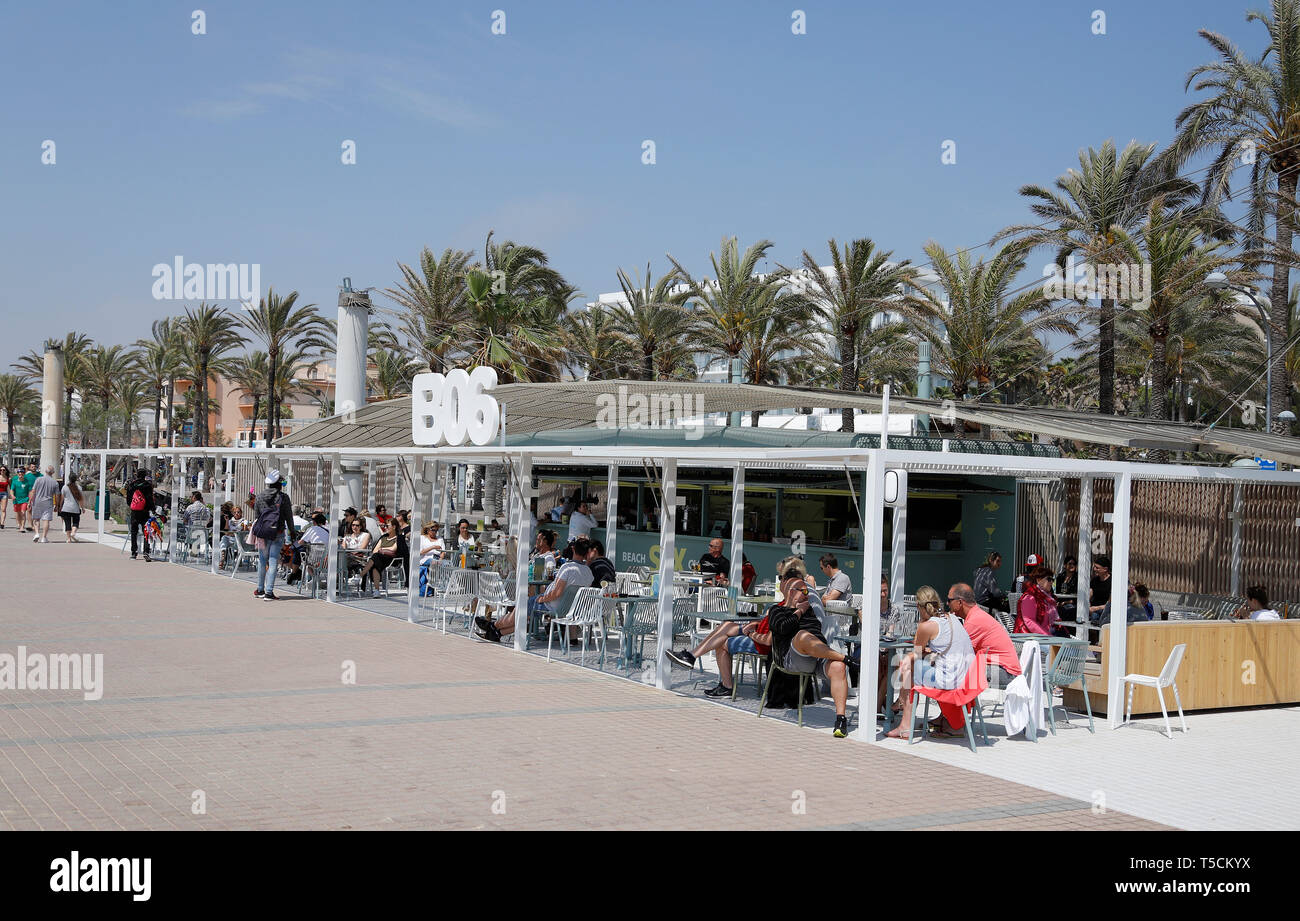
x: 942, y: 634
x: 389, y: 548
x: 1036, y: 611
x: 432, y: 549
x: 357, y: 540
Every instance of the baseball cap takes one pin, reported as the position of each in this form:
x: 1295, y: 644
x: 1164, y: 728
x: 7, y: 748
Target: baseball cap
x: 272, y: 477
x: 1034, y: 560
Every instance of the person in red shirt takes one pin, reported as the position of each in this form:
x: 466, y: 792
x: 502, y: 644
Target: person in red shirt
x: 725, y: 641
x: 381, y: 512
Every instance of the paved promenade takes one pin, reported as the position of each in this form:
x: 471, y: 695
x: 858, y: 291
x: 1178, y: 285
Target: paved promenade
x: 223, y: 711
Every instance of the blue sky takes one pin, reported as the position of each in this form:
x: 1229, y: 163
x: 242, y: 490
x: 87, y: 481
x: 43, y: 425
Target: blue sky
x: 225, y: 147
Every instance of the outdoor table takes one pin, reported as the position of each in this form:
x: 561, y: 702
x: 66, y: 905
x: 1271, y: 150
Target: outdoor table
x: 892, y: 664
x: 624, y: 602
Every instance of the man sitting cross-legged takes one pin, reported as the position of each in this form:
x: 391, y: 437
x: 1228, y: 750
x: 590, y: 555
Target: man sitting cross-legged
x: 725, y: 641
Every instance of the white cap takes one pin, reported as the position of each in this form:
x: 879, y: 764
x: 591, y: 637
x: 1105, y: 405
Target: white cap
x: 272, y: 477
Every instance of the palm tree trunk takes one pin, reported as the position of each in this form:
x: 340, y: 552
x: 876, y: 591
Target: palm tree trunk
x: 648, y: 365
x: 1286, y: 188
x: 1156, y: 408
x: 252, y: 426
x: 848, y: 374
x: 1106, y: 358
x: 272, y: 402
x: 171, y: 410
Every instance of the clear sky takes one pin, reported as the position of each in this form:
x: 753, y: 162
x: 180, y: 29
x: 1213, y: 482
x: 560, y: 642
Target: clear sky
x: 226, y: 146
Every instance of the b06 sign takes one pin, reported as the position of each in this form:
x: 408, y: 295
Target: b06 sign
x: 445, y: 408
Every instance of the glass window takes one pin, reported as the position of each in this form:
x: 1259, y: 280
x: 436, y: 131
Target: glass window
x: 759, y: 512
x: 933, y: 524
x: 824, y: 517
x: 690, y: 512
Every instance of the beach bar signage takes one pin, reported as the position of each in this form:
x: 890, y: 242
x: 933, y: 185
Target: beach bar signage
x: 448, y: 408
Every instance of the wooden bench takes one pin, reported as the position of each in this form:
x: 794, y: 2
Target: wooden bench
x: 1229, y: 663
x: 1210, y: 607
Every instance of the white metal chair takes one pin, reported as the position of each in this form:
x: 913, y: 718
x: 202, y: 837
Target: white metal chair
x: 315, y: 569
x: 247, y: 551
x: 1158, y: 683
x: 456, y: 598
x: 436, y: 583
x: 586, y: 612
x: 394, y: 572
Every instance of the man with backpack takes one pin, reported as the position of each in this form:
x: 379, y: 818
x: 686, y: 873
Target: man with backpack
x: 272, y: 520
x: 139, y: 499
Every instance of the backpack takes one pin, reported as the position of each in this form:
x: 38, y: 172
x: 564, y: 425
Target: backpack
x: 137, y: 500
x: 268, y: 523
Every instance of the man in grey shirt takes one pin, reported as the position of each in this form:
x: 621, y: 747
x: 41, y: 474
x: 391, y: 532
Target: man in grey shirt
x: 838, y: 585
x: 43, y: 492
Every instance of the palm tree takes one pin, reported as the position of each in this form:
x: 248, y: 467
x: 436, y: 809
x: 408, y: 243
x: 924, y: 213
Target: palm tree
x: 17, y: 400
x: 249, y: 375
x: 727, y: 306
x: 510, y: 333
x: 209, y: 333
x: 436, y: 305
x: 130, y: 400
x: 593, y: 340
x: 1089, y: 214
x: 108, y: 373
x: 978, y: 320
x: 862, y: 282
x: 285, y: 327
x: 1253, y: 106
x: 652, y: 316
x: 157, y: 361
x: 393, y: 373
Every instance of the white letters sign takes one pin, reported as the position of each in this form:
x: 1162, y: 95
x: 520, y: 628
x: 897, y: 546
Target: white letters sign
x: 446, y: 408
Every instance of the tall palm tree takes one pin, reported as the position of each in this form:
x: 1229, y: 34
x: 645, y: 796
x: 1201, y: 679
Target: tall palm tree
x: 157, y: 360
x: 735, y: 299
x: 209, y: 332
x: 108, y: 372
x: 393, y: 373
x: 435, y: 303
x: 131, y: 399
x: 594, y: 341
x: 1253, y: 105
x: 248, y: 373
x: 511, y: 333
x: 285, y: 326
x: 652, y: 316
x: 862, y: 281
x: 1089, y: 212
x: 978, y: 319
x: 17, y: 400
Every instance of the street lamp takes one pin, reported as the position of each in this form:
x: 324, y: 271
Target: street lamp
x: 1217, y: 281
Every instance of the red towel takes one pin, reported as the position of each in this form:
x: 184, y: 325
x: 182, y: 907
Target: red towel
x: 952, y: 703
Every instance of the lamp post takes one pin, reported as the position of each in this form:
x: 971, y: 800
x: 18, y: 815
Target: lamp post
x: 1217, y: 281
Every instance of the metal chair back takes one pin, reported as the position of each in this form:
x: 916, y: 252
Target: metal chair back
x: 1170, y: 671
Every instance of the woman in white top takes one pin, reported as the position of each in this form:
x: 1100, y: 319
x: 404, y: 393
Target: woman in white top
x: 432, y: 546
x: 944, y: 635
x: 70, y: 509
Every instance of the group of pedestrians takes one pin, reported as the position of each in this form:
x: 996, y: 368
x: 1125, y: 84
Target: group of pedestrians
x: 36, y: 497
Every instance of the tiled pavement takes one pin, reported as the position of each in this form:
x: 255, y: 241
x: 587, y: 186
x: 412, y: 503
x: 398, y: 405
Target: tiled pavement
x: 207, y: 689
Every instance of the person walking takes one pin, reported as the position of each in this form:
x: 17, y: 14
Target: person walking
x: 20, y: 488
x: 70, y: 509
x: 272, y: 520
x: 139, y: 499
x: 4, y: 495
x: 44, y: 490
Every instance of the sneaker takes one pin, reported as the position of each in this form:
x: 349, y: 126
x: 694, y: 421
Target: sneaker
x: 841, y: 726
x: 36, y: 538
x: 147, y: 559
x: 135, y: 556
x: 270, y: 596
x: 685, y: 659
x: 720, y: 691
x: 482, y: 622
x: 258, y: 593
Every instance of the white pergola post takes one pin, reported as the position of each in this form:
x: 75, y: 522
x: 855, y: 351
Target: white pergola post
x: 667, y: 560
x: 397, y: 494
x: 179, y: 470
x: 873, y: 540
x: 418, y: 487
x: 229, y: 465
x: 1117, y: 653
x: 335, y: 519
x: 898, y: 546
x: 370, y: 487
x: 214, y: 539
x: 611, y: 516
x: 1238, y: 510
x: 738, y: 529
x: 318, y: 484
x: 521, y: 527
x: 1085, y: 557
x: 103, y: 493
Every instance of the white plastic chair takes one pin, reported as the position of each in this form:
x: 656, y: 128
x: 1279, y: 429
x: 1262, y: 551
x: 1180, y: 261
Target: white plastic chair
x: 1158, y: 683
x: 455, y: 599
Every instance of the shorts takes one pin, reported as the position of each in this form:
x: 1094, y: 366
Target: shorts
x: 796, y: 661
x: 70, y: 520
x: 743, y: 644
x: 924, y: 674
x: 43, y: 512
x: 18, y: 504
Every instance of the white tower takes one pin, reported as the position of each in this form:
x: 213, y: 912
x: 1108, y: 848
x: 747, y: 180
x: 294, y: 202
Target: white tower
x: 350, y: 376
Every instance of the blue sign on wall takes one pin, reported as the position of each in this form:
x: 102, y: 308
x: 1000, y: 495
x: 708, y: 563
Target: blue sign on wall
x: 1266, y: 464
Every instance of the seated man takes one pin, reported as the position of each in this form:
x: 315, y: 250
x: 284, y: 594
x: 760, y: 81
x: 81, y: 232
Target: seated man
x: 725, y: 641
x: 1256, y: 606
x: 988, y: 637
x: 799, y: 644
x: 573, y: 574
x: 838, y: 585
x: 713, y: 563
x: 602, y: 570
x: 316, y: 534
x: 1133, y: 615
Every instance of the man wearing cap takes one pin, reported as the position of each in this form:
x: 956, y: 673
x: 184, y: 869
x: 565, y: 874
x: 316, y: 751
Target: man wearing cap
x: 272, y: 520
x: 348, y: 514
